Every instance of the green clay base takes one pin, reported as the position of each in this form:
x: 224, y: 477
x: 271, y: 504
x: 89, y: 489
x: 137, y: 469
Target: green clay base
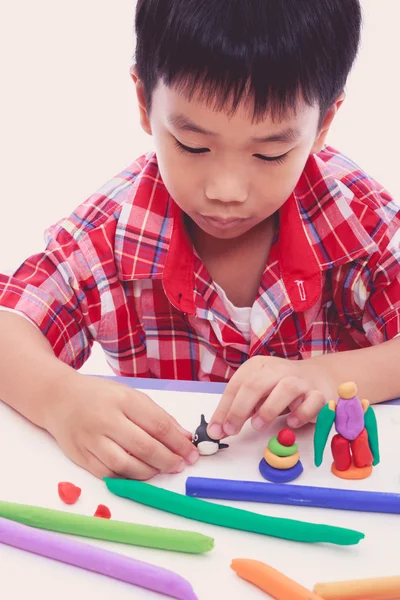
x: 280, y: 450
x: 104, y: 529
x: 227, y: 516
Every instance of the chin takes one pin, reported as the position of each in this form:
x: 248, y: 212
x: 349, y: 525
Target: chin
x: 225, y: 233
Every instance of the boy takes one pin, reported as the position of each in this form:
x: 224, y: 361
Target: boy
x: 244, y: 250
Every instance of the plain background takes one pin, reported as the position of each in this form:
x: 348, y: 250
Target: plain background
x: 69, y: 120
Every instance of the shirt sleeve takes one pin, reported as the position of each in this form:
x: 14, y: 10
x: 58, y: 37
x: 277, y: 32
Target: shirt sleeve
x: 17, y: 312
x: 381, y: 320
x: 57, y: 292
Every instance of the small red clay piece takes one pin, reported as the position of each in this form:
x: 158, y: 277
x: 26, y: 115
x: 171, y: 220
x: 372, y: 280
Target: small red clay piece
x: 286, y: 437
x: 103, y: 512
x: 68, y: 492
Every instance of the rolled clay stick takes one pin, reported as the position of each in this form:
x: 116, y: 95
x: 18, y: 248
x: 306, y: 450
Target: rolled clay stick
x: 293, y: 495
x: 271, y: 581
x: 85, y: 556
x: 104, y: 529
x: 227, y: 516
x: 381, y: 588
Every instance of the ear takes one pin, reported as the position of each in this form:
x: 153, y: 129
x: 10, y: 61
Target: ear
x: 326, y: 124
x: 141, y: 98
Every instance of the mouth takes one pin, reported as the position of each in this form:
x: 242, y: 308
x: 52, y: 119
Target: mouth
x: 223, y: 223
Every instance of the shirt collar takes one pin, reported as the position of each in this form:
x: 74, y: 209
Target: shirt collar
x: 151, y: 241
x: 318, y: 231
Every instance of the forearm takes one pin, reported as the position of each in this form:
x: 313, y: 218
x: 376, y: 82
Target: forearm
x: 375, y: 370
x: 29, y: 370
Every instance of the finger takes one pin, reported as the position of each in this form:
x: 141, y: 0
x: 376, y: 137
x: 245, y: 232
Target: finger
x: 286, y: 391
x: 251, y: 395
x: 294, y: 405
x: 148, y: 450
x: 216, y: 429
x: 155, y: 421
x: 86, y: 459
x: 96, y: 467
x: 308, y: 410
x: 120, y: 462
x: 184, y: 431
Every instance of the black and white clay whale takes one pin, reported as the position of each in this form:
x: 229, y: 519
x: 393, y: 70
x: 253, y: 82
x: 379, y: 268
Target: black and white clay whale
x: 206, y: 445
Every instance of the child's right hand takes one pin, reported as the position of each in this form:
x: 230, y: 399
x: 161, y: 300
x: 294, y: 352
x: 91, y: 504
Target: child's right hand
x: 114, y: 431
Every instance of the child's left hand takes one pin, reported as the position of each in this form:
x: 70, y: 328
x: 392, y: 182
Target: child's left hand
x: 264, y: 387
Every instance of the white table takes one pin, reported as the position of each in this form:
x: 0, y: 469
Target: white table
x: 32, y: 465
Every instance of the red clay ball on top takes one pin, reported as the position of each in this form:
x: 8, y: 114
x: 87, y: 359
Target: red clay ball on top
x: 286, y: 437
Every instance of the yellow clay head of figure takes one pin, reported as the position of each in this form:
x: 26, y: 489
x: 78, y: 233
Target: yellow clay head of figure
x: 237, y: 96
x: 347, y: 390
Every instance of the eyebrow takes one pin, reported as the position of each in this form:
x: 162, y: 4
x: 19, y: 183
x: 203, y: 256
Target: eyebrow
x: 288, y: 135
x: 184, y: 124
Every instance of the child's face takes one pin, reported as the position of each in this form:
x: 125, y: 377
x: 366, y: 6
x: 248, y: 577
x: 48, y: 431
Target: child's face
x: 227, y: 172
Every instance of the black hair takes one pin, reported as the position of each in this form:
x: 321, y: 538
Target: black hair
x: 266, y: 50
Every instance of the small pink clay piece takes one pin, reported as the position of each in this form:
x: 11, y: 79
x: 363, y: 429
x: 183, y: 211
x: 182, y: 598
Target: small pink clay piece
x: 68, y: 492
x: 286, y: 437
x: 103, y: 512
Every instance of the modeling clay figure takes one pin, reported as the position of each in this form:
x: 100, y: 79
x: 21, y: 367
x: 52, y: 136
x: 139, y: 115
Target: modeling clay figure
x: 355, y: 447
x: 204, y: 443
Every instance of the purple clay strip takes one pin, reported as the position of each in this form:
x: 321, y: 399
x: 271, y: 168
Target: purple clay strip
x: 91, y: 558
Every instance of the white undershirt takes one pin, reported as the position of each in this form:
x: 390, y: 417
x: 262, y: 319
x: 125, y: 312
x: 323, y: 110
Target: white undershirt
x: 239, y: 315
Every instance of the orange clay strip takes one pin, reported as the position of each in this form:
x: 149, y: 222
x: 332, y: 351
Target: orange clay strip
x: 271, y: 581
x: 383, y: 588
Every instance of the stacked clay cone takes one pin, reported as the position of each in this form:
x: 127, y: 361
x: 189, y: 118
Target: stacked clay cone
x: 281, y: 462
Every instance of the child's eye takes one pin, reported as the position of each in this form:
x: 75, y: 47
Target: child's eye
x: 184, y: 148
x: 273, y: 159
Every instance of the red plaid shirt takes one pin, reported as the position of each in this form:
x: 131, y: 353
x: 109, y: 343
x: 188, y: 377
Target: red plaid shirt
x: 121, y: 271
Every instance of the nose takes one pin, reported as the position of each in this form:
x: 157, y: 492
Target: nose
x: 227, y: 186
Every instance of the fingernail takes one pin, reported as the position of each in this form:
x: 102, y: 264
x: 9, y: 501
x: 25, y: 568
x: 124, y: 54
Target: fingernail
x: 215, y: 432
x: 258, y: 423
x: 179, y: 468
x: 193, y: 457
x: 229, y: 429
x: 293, y: 421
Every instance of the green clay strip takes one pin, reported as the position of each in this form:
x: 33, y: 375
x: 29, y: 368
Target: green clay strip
x: 372, y: 430
x: 325, y: 420
x: 279, y: 449
x: 103, y: 529
x: 227, y: 516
